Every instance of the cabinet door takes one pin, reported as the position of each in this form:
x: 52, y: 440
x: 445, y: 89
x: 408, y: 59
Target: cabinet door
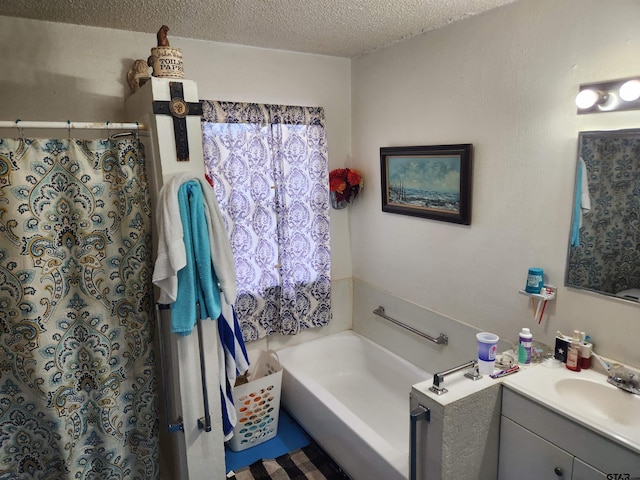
x: 526, y: 456
x: 582, y: 471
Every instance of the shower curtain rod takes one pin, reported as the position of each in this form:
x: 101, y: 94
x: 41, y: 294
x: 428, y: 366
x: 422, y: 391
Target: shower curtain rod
x: 74, y: 125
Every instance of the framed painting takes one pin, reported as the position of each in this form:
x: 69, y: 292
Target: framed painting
x: 429, y: 182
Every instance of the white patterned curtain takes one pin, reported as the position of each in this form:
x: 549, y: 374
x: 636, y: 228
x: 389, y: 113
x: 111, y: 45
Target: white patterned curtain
x: 77, y: 378
x: 268, y: 167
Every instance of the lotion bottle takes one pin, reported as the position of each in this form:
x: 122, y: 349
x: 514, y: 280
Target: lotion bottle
x: 525, y: 340
x: 574, y: 357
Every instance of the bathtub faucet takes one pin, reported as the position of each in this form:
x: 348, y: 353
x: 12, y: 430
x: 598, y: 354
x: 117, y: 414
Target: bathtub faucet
x: 438, y: 378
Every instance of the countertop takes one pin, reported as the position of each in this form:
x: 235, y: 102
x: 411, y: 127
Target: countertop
x: 538, y: 383
x: 458, y: 387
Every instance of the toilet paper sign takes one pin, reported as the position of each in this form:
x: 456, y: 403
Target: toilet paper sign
x: 166, y: 62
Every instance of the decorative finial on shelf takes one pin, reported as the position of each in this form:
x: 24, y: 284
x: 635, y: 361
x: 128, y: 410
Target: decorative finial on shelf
x: 163, y: 41
x: 165, y: 60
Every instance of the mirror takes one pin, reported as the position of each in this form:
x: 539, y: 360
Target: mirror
x: 604, y: 243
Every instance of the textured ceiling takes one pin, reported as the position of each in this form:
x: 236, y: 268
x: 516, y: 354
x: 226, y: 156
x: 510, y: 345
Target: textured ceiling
x: 345, y: 28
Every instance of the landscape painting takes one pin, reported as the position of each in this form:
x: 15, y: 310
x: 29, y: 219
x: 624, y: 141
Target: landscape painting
x: 427, y: 181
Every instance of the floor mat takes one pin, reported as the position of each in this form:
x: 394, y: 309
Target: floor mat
x: 290, y: 437
x: 307, y: 463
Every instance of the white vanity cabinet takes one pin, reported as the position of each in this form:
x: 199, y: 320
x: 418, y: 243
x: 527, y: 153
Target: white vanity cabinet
x: 525, y: 455
x: 582, y: 471
x: 537, y: 443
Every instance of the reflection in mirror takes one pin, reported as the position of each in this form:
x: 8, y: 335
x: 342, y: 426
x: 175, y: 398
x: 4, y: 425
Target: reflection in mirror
x: 604, y: 246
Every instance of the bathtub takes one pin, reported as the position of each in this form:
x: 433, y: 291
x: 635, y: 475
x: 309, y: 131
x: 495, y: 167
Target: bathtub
x: 352, y: 397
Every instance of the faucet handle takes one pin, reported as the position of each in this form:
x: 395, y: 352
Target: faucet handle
x: 618, y: 371
x: 624, y: 378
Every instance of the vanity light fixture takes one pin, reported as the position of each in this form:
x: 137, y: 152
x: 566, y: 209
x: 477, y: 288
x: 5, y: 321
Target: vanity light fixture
x: 630, y: 90
x: 609, y: 96
x: 589, y: 97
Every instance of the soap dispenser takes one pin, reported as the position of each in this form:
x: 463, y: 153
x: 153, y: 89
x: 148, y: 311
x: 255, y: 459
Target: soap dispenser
x: 574, y: 357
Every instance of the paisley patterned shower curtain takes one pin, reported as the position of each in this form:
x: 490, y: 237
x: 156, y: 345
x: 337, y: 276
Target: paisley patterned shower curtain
x: 77, y: 380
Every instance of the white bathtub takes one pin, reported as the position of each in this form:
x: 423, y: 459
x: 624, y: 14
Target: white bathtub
x: 352, y: 396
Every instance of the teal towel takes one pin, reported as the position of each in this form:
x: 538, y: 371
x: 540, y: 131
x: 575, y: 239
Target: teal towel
x: 582, y: 202
x: 577, y: 209
x: 197, y: 281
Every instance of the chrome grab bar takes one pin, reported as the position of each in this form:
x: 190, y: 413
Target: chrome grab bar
x: 417, y: 414
x: 178, y: 425
x: 204, y: 423
x: 438, y: 378
x: 442, y: 339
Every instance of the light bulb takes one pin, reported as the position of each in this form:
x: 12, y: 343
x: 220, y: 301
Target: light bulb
x: 587, y: 98
x: 630, y: 91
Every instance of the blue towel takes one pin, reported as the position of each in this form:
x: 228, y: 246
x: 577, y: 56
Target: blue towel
x: 582, y: 202
x: 229, y: 419
x: 577, y: 211
x: 236, y: 361
x: 197, y: 281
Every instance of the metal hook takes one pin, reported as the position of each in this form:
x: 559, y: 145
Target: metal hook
x: 108, y: 131
x: 69, y: 129
x: 20, y: 129
x: 138, y: 132
x: 120, y: 135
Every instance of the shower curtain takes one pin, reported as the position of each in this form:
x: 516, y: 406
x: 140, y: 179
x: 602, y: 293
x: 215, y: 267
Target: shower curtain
x: 77, y: 377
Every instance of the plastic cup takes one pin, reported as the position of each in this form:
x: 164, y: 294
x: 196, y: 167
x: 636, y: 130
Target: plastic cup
x: 535, y: 280
x: 487, y: 346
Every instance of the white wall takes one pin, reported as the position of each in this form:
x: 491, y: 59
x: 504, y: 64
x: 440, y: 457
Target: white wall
x: 504, y: 81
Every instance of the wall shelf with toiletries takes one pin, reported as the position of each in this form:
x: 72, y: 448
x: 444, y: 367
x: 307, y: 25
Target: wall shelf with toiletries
x: 548, y: 292
x: 539, y: 300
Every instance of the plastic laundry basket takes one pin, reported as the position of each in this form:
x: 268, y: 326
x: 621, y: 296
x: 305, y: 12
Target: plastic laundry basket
x: 258, y: 403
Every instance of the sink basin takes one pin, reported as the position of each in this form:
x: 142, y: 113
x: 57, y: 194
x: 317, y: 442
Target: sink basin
x: 601, y: 399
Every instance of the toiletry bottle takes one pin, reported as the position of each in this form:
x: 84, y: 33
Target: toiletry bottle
x: 524, y: 346
x: 574, y: 358
x: 586, y: 349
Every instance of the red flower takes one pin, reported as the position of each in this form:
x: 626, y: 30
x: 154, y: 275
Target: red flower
x: 353, y: 177
x: 337, y: 184
x: 346, y: 183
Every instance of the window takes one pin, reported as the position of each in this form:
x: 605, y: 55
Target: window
x: 268, y: 166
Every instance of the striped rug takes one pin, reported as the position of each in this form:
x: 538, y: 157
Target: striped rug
x: 307, y: 463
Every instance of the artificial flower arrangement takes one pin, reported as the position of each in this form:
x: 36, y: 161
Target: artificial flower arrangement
x: 345, y: 184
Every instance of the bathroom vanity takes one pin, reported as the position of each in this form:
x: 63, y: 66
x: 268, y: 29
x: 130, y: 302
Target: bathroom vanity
x: 540, y: 423
x: 536, y: 443
x: 567, y: 425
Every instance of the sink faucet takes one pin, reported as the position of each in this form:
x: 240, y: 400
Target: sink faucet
x: 624, y: 378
